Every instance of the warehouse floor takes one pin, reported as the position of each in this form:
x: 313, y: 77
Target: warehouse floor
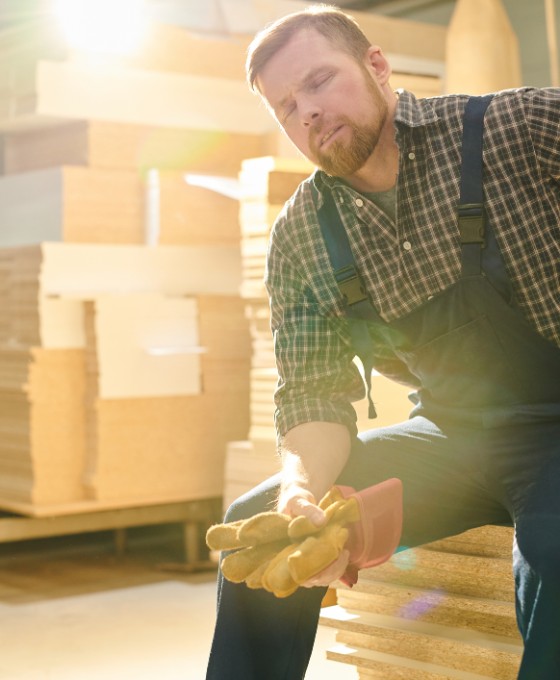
x: 71, y: 610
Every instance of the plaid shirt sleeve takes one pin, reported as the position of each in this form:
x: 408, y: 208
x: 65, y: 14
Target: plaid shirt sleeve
x: 317, y: 378
x: 542, y: 109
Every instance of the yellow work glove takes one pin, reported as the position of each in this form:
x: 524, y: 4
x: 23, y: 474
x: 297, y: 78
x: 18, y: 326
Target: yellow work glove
x: 277, y: 553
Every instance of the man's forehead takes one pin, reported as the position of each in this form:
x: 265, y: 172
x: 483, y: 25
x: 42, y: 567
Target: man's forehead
x: 295, y: 64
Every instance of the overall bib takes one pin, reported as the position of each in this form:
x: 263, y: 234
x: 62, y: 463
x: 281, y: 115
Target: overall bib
x: 482, y: 445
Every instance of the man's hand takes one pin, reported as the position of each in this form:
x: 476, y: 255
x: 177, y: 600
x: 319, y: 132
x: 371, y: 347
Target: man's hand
x: 313, y: 455
x: 295, y: 501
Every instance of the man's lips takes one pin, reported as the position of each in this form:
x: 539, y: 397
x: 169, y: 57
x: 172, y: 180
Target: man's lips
x: 325, y: 138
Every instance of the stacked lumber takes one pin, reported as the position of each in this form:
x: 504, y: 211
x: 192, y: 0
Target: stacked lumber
x: 442, y: 610
x: 42, y: 448
x: 118, y: 270
x: 106, y: 144
x: 166, y: 438
x: 43, y: 82
x: 123, y: 372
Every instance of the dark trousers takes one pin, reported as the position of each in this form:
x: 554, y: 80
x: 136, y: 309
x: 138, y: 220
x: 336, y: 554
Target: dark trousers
x: 455, y: 477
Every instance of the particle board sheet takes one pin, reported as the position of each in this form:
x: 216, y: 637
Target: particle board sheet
x: 166, y: 447
x: 266, y: 183
x: 125, y: 146
x: 258, y: 314
x: 443, y: 610
x: 164, y: 48
x: 194, y: 215
x: 263, y: 386
x: 52, y: 91
x: 81, y: 271
x: 225, y: 341
x: 272, y: 179
x: 147, y: 345
x: 171, y: 48
x: 42, y: 436
x: 71, y: 204
x: 44, y: 284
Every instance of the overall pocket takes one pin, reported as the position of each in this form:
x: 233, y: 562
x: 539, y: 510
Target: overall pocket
x: 467, y: 366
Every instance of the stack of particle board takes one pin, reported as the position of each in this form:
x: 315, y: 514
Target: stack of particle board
x: 161, y: 330
x: 443, y: 610
x: 165, y: 436
x: 123, y: 372
x: 42, y: 448
x: 43, y: 82
x: 105, y: 144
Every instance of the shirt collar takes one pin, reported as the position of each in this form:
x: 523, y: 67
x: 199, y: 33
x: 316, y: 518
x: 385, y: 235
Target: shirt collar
x: 412, y: 112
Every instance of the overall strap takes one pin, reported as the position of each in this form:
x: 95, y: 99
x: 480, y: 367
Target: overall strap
x: 471, y: 214
x: 358, y: 307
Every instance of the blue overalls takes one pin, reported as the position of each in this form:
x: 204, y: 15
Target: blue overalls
x: 482, y: 444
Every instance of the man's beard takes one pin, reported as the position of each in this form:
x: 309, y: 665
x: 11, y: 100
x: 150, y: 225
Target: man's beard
x: 344, y: 159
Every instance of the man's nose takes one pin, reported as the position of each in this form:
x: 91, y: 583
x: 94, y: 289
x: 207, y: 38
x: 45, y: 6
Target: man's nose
x: 310, y: 112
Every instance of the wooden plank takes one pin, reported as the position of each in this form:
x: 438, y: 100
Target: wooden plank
x: 493, y: 617
x: 67, y: 90
x: 71, y: 204
x: 456, y: 648
x: 147, y: 345
x: 381, y: 666
x: 127, y: 146
x: 93, y: 516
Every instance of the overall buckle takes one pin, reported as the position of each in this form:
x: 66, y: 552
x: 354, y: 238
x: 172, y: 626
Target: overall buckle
x: 350, y: 285
x: 472, y: 223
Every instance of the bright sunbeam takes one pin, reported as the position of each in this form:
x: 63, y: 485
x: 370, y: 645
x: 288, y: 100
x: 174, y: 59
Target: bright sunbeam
x: 107, y: 26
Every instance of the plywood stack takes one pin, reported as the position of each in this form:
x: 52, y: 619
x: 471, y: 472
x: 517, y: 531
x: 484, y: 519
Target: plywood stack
x: 124, y: 372
x: 443, y: 610
x: 41, y: 425
x: 165, y: 436
x: 160, y: 330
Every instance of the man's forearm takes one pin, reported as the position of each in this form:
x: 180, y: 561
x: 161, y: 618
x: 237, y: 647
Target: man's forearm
x: 313, y: 455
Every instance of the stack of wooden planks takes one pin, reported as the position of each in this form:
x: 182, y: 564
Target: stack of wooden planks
x: 124, y: 345
x: 444, y: 610
x: 124, y: 372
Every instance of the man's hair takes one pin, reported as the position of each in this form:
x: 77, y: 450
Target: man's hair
x: 340, y: 29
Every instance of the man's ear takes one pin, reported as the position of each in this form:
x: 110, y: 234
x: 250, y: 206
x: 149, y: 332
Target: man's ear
x: 376, y: 61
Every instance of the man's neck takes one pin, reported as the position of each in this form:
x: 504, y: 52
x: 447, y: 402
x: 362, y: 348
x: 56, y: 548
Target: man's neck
x: 380, y: 171
x: 378, y: 174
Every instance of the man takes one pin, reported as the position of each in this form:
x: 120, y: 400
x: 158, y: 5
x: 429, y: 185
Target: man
x: 457, y: 261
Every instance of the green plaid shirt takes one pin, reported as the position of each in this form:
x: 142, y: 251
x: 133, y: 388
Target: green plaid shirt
x: 404, y: 262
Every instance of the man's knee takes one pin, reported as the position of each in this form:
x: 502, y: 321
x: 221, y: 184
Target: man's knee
x: 538, y: 543
x: 260, y: 499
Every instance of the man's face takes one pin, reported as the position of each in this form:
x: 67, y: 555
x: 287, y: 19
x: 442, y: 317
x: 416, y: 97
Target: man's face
x: 330, y: 106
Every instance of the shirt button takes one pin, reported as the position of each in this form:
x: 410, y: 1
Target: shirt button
x: 407, y: 245
x: 412, y: 155
x: 341, y: 199
x: 359, y: 203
